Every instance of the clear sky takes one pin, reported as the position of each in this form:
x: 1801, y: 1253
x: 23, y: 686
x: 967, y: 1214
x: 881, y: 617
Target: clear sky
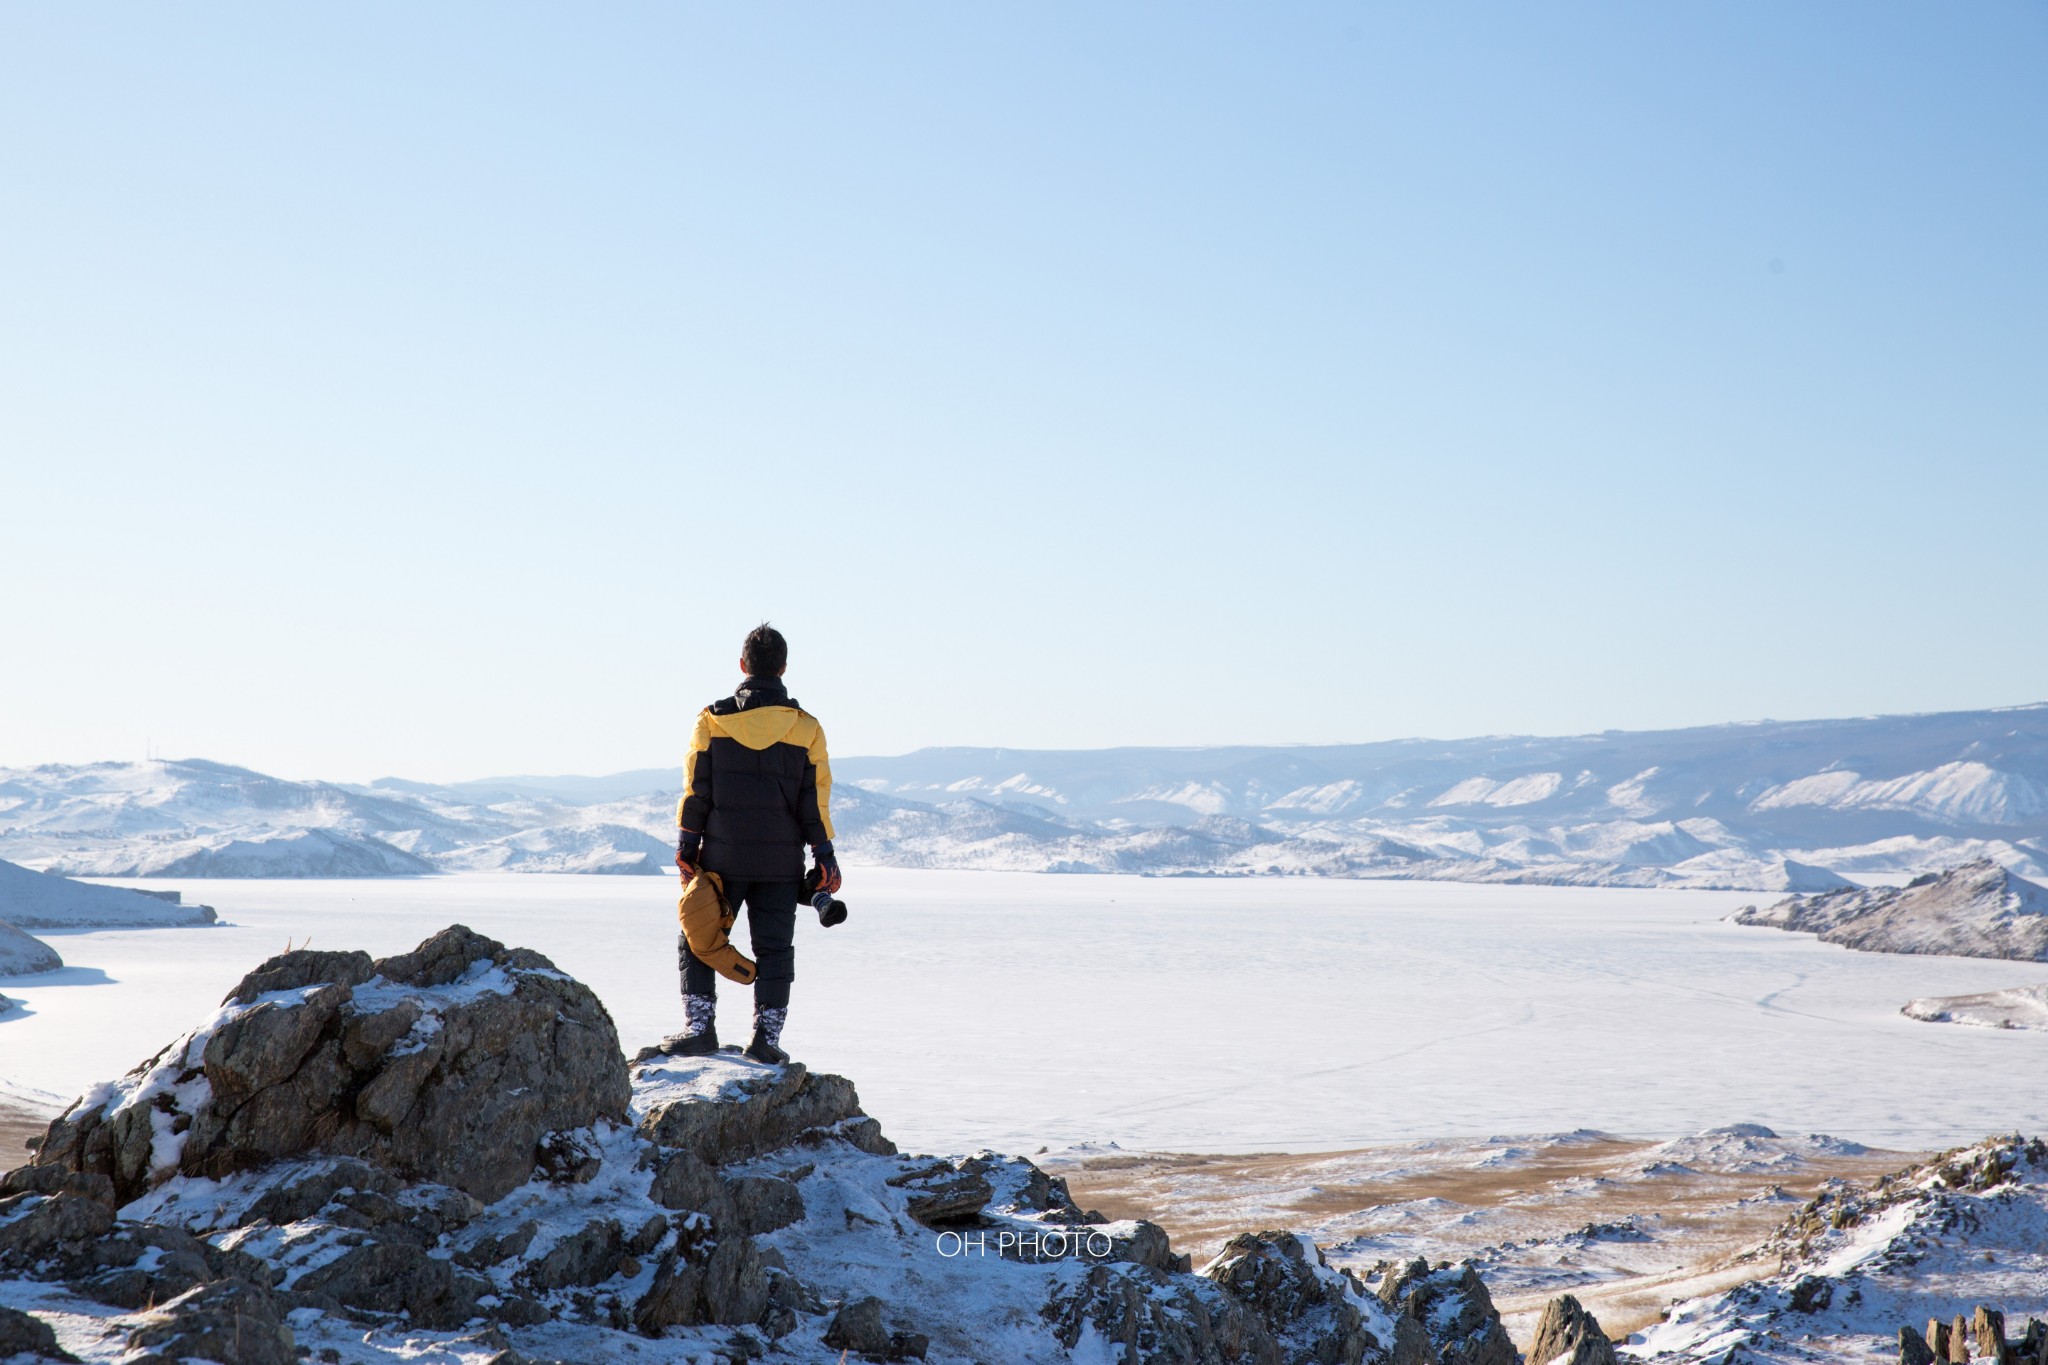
x: 444, y: 389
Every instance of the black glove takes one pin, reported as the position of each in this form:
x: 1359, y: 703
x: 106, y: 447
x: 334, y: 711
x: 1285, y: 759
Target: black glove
x: 825, y: 876
x: 689, y: 844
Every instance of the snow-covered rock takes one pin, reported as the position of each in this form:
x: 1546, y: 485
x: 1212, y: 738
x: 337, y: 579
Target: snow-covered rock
x: 2018, y: 1007
x: 39, y: 900
x: 448, y: 1063
x: 24, y: 954
x: 1977, y: 910
x: 1855, y: 1266
x: 276, y: 1185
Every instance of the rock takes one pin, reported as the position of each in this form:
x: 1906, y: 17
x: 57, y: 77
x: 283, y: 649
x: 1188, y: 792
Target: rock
x: 1567, y: 1332
x: 1959, y: 1341
x: 763, y: 1203
x: 865, y: 1134
x: 648, y: 1237
x: 1148, y: 1317
x: 587, y: 1257
x: 945, y: 1196
x: 398, y: 1277
x: 1314, y: 1312
x: 1412, y: 1345
x: 182, y: 1262
x: 37, y: 1226
x: 758, y: 1110
x: 225, y: 1321
x: 1454, y: 1307
x: 1145, y: 1244
x: 568, y: 1158
x: 490, y: 1251
x: 730, y: 1280
x: 1987, y: 1326
x: 446, y: 1064
x: 1810, y: 1294
x: 23, y: 1335
x: 686, y: 1182
x: 1937, y: 1338
x: 858, y: 1327
x: 1396, y: 1283
x: 1913, y: 1348
x: 51, y: 1180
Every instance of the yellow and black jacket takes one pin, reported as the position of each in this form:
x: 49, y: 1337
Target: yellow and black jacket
x: 757, y: 784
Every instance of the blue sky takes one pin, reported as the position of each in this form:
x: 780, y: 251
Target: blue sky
x: 443, y: 390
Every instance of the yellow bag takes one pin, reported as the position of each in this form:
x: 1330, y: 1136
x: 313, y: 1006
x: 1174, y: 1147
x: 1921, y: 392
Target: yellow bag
x: 707, y: 926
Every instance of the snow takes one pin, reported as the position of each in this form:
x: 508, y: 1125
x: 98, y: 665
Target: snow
x: 1961, y: 792
x: 1767, y: 806
x: 971, y: 1008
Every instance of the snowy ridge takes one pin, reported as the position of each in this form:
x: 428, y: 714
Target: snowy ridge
x: 1854, y: 1266
x: 1772, y: 806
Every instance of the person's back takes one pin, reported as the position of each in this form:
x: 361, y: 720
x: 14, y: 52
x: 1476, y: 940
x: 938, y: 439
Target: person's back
x: 752, y: 783
x: 757, y: 788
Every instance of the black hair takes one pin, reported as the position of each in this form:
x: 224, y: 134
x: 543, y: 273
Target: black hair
x: 765, y: 653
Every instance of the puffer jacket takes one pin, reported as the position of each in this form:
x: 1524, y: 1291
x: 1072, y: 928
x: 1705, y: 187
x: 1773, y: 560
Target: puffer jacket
x: 757, y: 784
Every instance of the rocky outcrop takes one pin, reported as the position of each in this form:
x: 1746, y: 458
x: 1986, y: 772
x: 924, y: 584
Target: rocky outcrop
x: 1976, y: 910
x: 1855, y: 1261
x: 23, y: 1334
x: 1452, y: 1306
x: 25, y: 954
x: 752, y: 1114
x: 1569, y: 1334
x: 1314, y: 1313
x: 450, y: 1064
x: 448, y: 1147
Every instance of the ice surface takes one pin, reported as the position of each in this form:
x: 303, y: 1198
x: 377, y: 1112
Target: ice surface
x: 1014, y: 1011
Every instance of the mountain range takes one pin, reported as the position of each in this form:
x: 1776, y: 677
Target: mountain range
x: 1787, y: 806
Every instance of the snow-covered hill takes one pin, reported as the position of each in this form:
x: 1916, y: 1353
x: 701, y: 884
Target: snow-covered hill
x: 36, y: 900
x: 1977, y: 910
x: 1769, y: 806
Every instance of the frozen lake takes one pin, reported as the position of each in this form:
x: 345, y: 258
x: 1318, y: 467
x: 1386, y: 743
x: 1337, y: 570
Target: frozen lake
x: 1012, y: 1010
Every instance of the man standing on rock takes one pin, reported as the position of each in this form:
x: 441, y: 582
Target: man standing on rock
x: 757, y: 787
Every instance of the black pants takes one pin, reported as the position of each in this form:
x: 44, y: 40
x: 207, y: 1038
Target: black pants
x: 771, y: 923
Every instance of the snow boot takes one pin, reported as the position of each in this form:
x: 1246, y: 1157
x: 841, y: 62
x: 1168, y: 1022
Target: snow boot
x: 767, y: 1044
x: 699, y: 1037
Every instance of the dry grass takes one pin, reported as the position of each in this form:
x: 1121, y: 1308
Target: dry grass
x: 1705, y: 1221
x: 17, y: 1126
